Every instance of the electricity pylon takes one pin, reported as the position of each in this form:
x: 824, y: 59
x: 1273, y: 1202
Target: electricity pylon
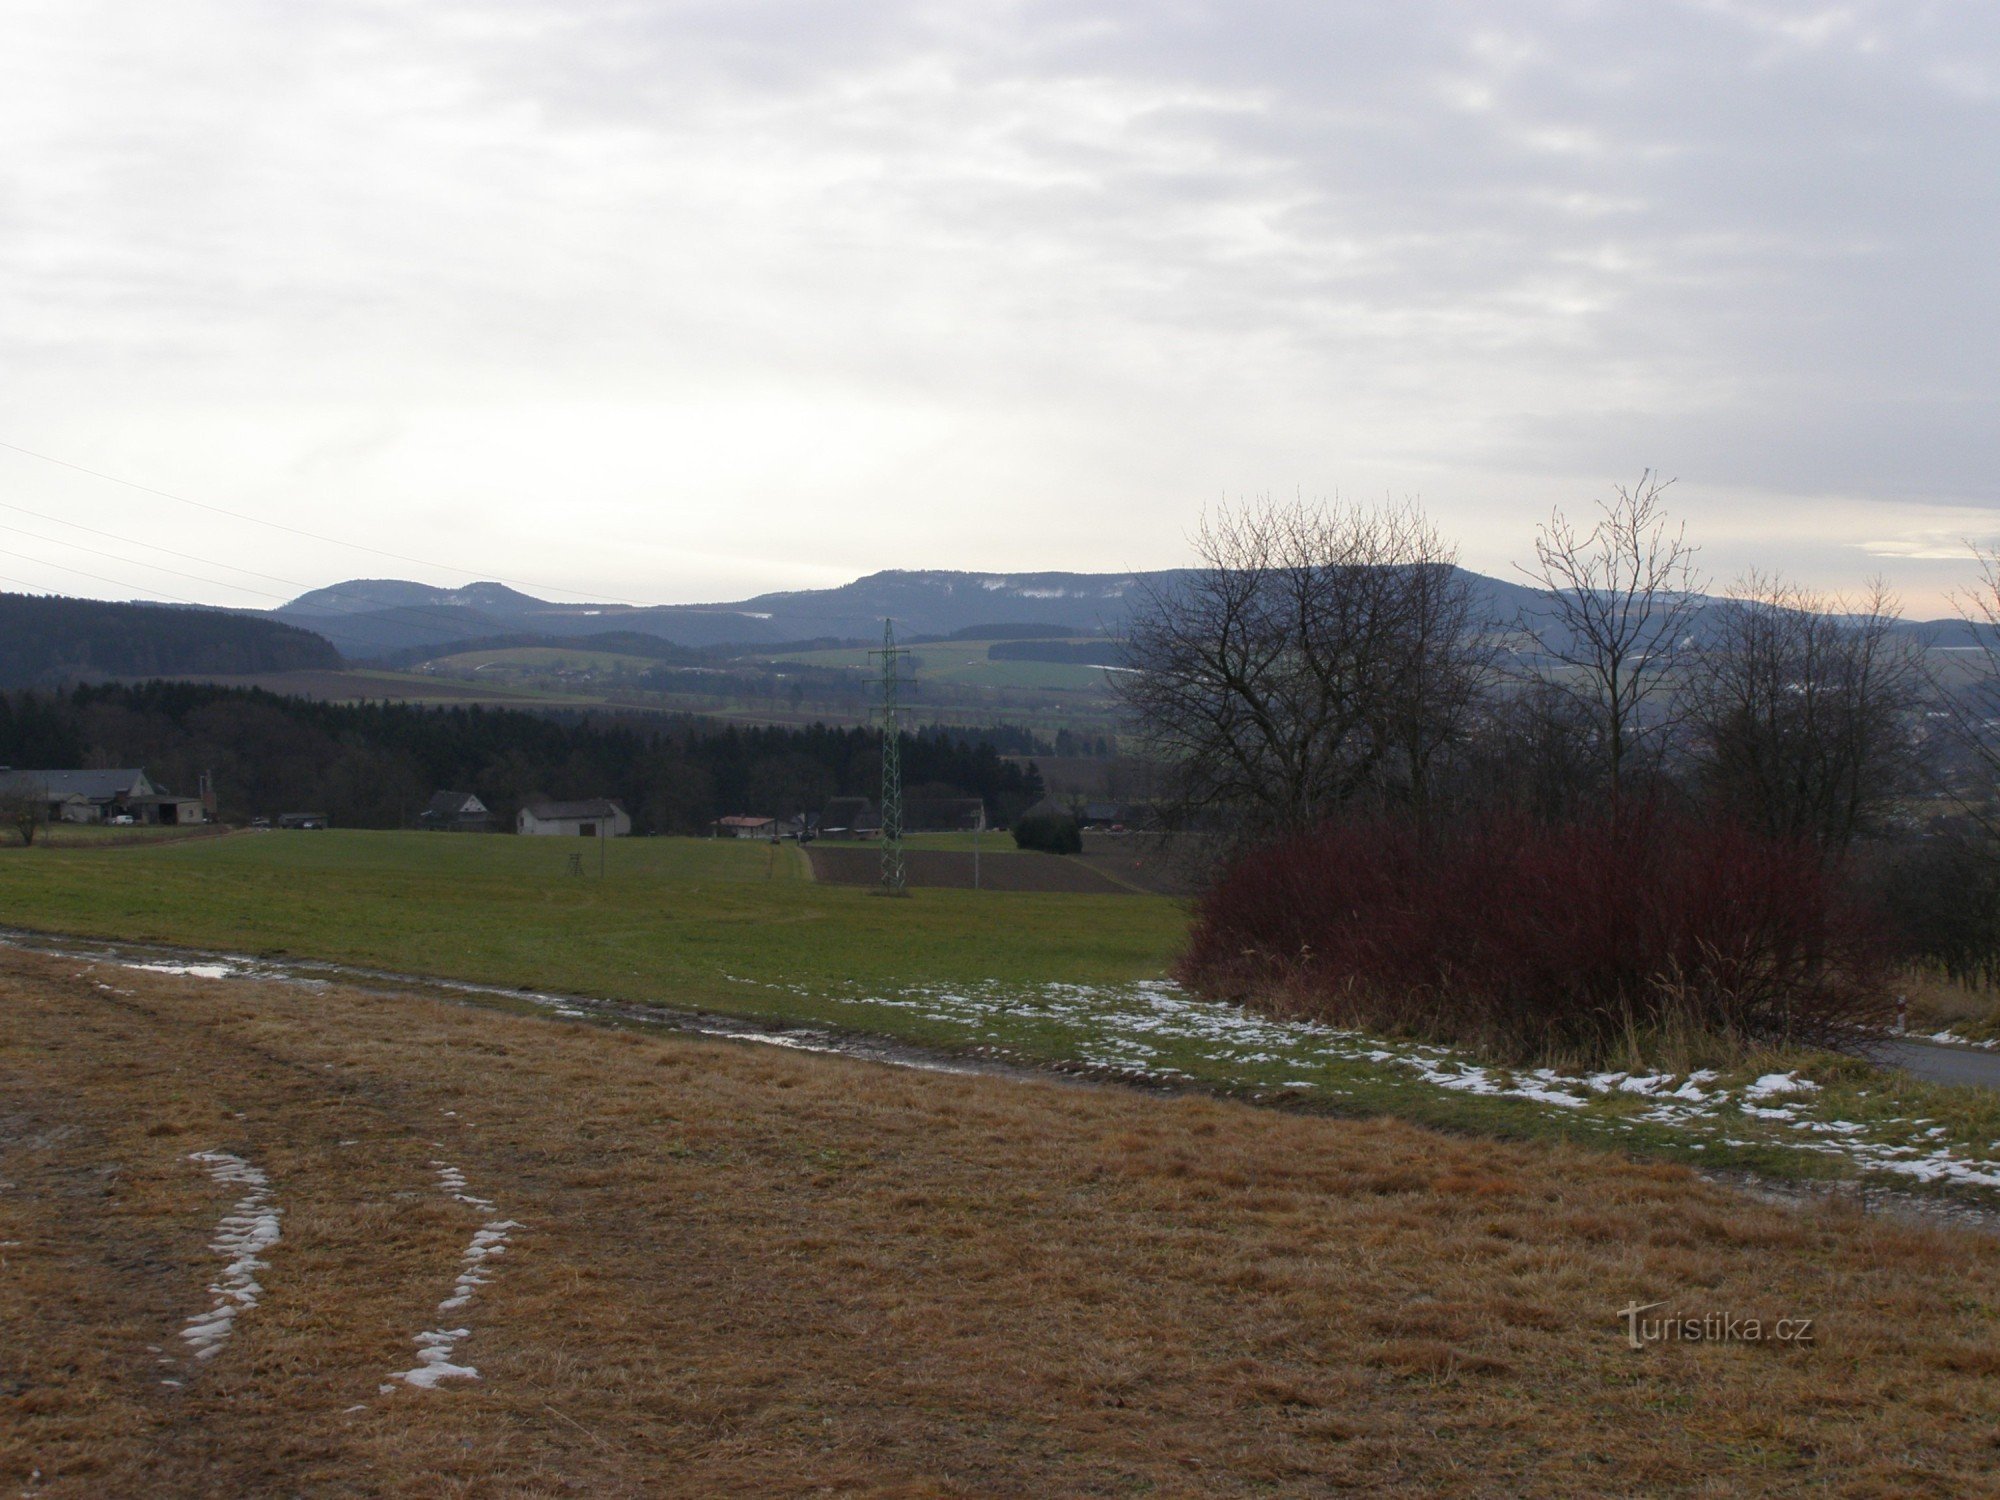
x: 892, y: 766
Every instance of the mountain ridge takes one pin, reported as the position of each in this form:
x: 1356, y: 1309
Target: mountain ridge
x: 364, y: 616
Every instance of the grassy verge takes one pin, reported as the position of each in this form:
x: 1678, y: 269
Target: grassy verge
x: 1071, y: 980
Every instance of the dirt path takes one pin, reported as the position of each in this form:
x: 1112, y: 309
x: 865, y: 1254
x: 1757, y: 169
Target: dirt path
x: 738, y: 1271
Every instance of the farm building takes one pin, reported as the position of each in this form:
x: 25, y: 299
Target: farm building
x: 594, y: 817
x: 746, y: 828
x: 458, y: 812
x: 850, y: 818
x: 102, y: 796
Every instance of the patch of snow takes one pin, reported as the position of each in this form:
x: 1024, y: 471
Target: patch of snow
x: 193, y: 971
x: 1949, y: 1038
x: 434, y: 1351
x: 243, y: 1234
x: 1779, y: 1083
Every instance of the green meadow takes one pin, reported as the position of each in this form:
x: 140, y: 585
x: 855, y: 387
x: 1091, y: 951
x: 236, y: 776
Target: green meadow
x: 674, y: 920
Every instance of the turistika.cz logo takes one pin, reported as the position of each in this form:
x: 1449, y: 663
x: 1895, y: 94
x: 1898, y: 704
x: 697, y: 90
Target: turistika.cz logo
x: 1709, y: 1328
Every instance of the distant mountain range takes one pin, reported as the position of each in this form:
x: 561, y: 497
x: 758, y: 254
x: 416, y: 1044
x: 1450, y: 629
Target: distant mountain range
x: 374, y: 617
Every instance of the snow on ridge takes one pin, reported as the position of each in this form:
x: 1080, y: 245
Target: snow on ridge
x: 436, y: 1346
x: 243, y: 1234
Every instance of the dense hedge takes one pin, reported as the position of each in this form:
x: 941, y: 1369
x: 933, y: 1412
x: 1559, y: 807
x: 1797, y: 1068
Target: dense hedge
x: 1577, y: 941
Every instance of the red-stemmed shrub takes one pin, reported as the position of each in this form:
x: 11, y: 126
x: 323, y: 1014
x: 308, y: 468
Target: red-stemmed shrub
x: 1576, y: 941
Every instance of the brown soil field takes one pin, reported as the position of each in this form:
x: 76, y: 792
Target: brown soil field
x: 1145, y: 860
x: 734, y: 1270
x: 1009, y: 870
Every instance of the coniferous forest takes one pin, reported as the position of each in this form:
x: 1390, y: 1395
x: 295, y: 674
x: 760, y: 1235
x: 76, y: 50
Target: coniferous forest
x: 375, y: 765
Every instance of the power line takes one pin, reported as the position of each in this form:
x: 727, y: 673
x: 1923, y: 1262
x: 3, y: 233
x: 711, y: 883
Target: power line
x: 188, y: 556
x: 242, y: 588
x: 114, y: 582
x: 332, y: 541
x: 414, y: 613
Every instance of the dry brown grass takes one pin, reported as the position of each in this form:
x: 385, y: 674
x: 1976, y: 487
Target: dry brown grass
x: 1938, y: 1003
x: 751, y: 1272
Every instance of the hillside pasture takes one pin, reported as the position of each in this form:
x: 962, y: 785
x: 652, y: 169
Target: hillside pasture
x: 739, y: 1270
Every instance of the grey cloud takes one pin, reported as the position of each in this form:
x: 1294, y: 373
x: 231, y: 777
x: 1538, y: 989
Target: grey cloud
x: 1454, y: 241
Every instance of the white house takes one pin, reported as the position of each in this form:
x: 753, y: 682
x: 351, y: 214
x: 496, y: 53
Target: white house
x: 595, y: 817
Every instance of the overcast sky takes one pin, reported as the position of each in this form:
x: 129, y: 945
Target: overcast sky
x: 679, y: 301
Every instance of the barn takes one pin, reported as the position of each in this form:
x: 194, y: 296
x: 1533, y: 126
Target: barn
x: 594, y: 817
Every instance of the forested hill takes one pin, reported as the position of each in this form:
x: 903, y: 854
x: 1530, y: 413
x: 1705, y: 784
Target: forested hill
x: 375, y: 765
x: 45, y: 640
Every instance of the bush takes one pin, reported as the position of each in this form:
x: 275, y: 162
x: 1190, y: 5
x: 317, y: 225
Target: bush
x: 1051, y: 833
x: 1584, y: 942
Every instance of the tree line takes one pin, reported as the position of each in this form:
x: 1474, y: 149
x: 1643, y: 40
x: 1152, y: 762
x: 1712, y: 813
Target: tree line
x: 375, y: 765
x: 1321, y: 658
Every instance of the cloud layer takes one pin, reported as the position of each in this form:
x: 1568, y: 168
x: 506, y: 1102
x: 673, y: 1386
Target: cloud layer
x: 672, y: 301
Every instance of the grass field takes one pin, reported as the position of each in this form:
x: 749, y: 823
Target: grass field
x: 740, y: 1271
x: 676, y: 920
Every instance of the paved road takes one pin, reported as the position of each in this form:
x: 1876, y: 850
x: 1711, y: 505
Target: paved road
x: 1945, y: 1064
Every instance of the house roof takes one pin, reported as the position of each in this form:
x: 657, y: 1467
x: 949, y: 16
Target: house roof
x: 545, y: 810
x: 744, y: 822
x: 454, y: 804
x: 95, y: 786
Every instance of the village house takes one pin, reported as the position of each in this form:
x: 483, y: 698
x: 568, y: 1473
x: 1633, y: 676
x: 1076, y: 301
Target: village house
x: 740, y: 827
x: 458, y: 812
x: 594, y: 817
x: 102, y: 796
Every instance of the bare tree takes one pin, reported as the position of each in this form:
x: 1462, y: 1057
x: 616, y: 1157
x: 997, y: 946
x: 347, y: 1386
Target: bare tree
x: 1618, y: 601
x: 1966, y: 688
x: 1315, y: 653
x: 1801, y: 708
x: 24, y: 807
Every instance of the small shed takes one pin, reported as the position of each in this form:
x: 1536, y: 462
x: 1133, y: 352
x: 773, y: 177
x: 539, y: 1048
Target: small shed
x: 593, y: 817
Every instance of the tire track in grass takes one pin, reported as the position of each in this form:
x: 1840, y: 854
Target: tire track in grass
x: 436, y: 1346
x: 243, y: 1234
